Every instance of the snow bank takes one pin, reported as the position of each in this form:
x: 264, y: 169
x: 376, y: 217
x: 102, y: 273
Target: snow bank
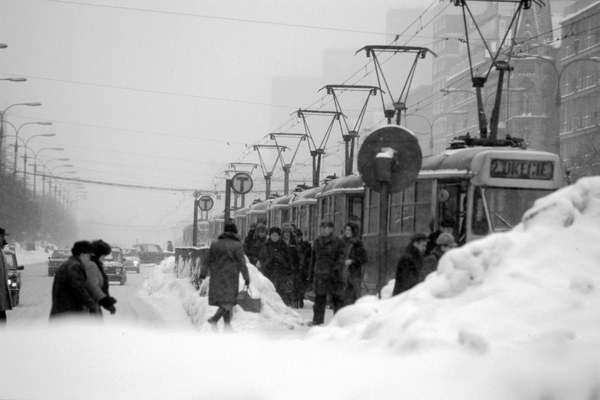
x: 274, y: 314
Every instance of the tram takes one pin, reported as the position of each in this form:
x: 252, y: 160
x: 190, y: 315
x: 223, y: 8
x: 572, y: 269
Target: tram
x: 480, y: 189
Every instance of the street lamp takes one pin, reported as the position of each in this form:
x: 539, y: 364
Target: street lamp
x: 50, y: 172
x: 36, y: 153
x: 26, y: 142
x: 2, y: 114
x: 17, y: 130
x: 431, y: 123
x: 559, y: 73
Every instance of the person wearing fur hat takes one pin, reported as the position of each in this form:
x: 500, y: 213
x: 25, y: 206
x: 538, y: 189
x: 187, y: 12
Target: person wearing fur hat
x: 224, y: 263
x: 410, y: 263
x: 70, y: 295
x: 97, y: 281
x: 276, y: 264
x: 443, y: 243
x: 5, y: 300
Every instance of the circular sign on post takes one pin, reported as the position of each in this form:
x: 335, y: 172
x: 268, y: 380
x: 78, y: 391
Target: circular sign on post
x: 394, y: 142
x: 205, y: 203
x: 241, y: 183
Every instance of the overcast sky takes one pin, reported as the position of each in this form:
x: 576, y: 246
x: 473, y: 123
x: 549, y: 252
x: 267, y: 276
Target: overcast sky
x: 164, y: 94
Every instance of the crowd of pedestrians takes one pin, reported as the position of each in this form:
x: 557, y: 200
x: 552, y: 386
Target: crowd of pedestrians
x: 80, y: 285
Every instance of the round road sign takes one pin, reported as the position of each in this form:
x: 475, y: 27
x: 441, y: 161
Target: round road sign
x: 205, y: 203
x: 241, y: 183
x: 406, y: 153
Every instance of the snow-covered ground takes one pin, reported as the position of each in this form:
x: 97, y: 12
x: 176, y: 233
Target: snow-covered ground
x: 512, y: 316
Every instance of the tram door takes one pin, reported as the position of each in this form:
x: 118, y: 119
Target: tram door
x: 452, y: 202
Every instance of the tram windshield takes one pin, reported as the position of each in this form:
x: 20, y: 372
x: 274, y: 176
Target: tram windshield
x: 506, y: 206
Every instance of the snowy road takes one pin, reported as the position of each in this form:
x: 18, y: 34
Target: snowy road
x: 34, y: 307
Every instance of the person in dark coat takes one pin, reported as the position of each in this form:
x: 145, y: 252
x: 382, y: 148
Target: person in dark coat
x: 5, y: 299
x: 444, y: 243
x: 410, y: 263
x: 286, y: 275
x: 169, y: 246
x: 326, y: 271
x: 254, y: 242
x: 224, y: 263
x: 301, y: 275
x: 276, y: 264
x: 69, y: 293
x: 97, y: 280
x: 355, y: 257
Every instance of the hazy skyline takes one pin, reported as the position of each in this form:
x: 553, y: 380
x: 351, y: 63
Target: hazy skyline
x: 164, y: 94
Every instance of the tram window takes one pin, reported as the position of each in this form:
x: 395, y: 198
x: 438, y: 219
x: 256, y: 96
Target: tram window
x: 355, y: 205
x: 479, y: 224
x: 395, y: 212
x: 373, y: 212
x: 408, y: 209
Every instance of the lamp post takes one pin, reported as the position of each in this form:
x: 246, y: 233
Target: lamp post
x: 2, y: 114
x: 26, y: 142
x: 17, y: 130
x: 51, y: 171
x: 431, y: 123
x: 36, y: 154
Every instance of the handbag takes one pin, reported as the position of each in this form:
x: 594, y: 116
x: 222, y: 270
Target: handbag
x: 247, y: 302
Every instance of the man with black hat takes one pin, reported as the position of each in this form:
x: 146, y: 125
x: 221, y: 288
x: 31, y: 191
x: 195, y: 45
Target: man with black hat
x: 5, y: 300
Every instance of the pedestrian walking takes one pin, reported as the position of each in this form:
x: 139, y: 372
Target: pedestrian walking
x: 301, y: 275
x: 69, y: 289
x: 410, y: 263
x: 444, y: 243
x: 326, y: 271
x: 446, y: 226
x: 275, y: 263
x: 224, y: 263
x: 97, y: 281
x: 170, y: 246
x: 355, y: 258
x: 5, y: 299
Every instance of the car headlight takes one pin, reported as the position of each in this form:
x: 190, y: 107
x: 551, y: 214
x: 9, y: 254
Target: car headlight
x: 135, y: 263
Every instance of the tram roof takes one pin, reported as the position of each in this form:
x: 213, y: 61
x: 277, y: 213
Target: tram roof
x: 350, y: 183
x: 460, y: 159
x: 281, y: 201
x: 306, y: 196
x: 260, y: 206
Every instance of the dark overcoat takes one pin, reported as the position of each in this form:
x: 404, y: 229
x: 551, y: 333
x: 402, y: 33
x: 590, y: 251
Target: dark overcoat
x: 430, y: 263
x: 408, y: 269
x: 327, y: 265
x: 275, y: 260
x: 224, y: 263
x: 69, y: 292
x: 355, y: 251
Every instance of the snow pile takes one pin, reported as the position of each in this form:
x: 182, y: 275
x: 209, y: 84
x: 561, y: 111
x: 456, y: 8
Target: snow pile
x: 274, y: 314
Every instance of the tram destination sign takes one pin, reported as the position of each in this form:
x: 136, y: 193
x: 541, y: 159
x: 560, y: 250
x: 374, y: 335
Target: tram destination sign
x: 522, y: 169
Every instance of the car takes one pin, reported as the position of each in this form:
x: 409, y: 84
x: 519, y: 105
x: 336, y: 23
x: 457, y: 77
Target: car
x: 150, y: 253
x: 114, y: 266
x: 132, y: 259
x: 55, y: 260
x: 14, y: 276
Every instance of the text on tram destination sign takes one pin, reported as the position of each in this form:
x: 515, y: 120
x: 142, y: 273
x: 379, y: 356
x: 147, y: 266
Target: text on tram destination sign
x: 521, y: 169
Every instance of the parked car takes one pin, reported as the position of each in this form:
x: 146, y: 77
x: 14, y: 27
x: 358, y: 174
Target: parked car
x: 14, y: 276
x: 114, y: 266
x: 56, y: 259
x: 132, y: 259
x: 150, y: 253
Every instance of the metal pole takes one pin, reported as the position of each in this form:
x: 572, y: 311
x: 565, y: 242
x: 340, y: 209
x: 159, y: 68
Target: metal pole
x: 195, y: 224
x: 286, y: 179
x: 383, y: 229
x: 227, y: 201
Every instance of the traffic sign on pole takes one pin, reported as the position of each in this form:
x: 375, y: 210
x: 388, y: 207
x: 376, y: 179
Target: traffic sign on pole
x: 205, y: 203
x: 241, y: 183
